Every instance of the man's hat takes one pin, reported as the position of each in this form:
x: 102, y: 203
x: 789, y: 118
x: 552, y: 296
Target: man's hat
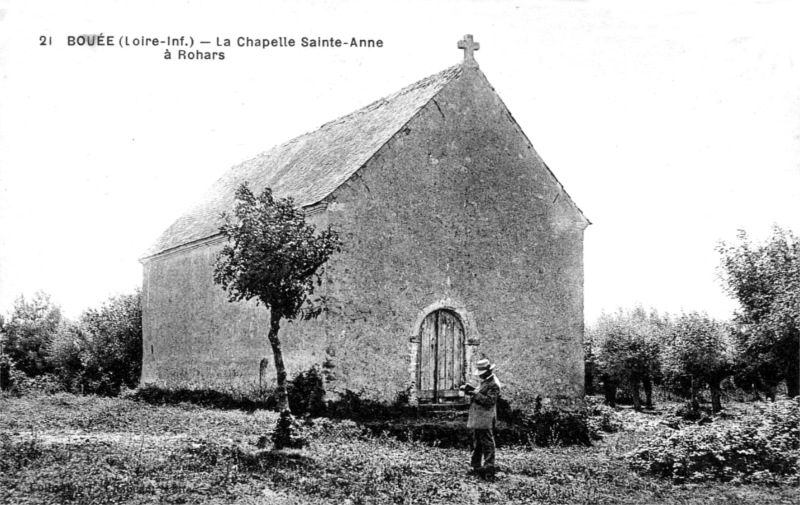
x: 483, y: 365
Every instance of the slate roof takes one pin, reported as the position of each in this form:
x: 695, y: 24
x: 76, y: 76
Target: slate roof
x: 307, y: 168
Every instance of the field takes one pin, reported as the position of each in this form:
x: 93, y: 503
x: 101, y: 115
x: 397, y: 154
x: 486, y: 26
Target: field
x: 83, y: 449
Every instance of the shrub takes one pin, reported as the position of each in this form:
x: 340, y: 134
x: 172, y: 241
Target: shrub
x: 545, y: 425
x: 363, y: 405
x: 403, y: 397
x: 557, y: 426
x: 763, y: 448
x: 601, y: 418
x: 42, y: 384
x: 307, y: 392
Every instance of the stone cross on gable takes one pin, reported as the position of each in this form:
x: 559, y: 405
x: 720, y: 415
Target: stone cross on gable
x: 469, y: 46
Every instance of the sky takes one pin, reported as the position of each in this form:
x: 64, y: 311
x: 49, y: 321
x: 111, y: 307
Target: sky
x: 671, y: 124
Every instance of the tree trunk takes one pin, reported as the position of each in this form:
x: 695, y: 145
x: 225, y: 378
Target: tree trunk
x: 716, y: 393
x: 793, y: 378
x: 5, y: 376
x: 693, y: 400
x: 637, y: 402
x: 772, y: 391
x: 647, y: 382
x: 588, y: 379
x: 610, y: 391
x: 280, y: 369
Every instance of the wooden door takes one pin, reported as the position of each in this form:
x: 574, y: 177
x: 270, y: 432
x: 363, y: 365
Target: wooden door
x: 441, y: 357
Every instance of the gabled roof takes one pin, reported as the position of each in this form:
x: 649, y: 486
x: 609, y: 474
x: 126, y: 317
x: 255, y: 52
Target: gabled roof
x: 310, y: 167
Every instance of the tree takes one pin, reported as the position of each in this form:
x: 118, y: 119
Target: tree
x: 113, y: 358
x: 698, y: 352
x: 66, y: 354
x: 100, y: 353
x: 29, y: 331
x: 626, y: 352
x: 274, y: 256
x: 765, y: 280
x: 5, y: 361
x: 589, y: 365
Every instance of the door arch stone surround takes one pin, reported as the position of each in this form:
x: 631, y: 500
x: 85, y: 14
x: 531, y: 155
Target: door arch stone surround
x: 471, y: 339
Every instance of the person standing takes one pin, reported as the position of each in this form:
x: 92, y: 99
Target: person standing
x: 483, y: 417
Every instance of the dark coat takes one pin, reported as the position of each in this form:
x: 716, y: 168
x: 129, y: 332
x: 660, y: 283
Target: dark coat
x: 483, y: 407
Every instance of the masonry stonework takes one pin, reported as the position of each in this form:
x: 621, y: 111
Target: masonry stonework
x: 455, y: 211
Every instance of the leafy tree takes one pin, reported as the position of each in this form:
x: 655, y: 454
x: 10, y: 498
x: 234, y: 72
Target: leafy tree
x: 765, y: 280
x: 274, y: 256
x: 29, y: 331
x: 65, y: 354
x: 698, y: 352
x: 626, y: 352
x: 114, y: 357
x: 102, y: 352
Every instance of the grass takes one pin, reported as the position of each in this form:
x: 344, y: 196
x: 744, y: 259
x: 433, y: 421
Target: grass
x: 73, y: 449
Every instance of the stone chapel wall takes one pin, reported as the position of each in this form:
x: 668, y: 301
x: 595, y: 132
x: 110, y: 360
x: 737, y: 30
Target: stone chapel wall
x: 458, y: 209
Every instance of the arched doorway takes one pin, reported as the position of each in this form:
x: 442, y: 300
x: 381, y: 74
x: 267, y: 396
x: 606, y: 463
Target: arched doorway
x: 442, y: 358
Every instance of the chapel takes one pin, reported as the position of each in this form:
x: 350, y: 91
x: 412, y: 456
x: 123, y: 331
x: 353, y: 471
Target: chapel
x: 458, y: 243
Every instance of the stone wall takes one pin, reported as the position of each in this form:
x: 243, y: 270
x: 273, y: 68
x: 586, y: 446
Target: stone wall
x: 456, y: 211
x: 459, y: 208
x: 192, y: 335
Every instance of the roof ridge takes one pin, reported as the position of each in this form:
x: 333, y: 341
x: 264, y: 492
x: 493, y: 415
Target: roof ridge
x: 389, y: 98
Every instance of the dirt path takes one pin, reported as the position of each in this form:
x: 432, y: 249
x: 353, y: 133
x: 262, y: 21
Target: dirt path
x: 75, y: 437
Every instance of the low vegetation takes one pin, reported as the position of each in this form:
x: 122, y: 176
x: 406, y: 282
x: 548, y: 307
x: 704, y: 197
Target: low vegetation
x: 760, y: 448
x: 64, y: 448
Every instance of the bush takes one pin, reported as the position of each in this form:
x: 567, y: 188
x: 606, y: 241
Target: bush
x: 307, y: 392
x: 601, y: 418
x: 42, y: 384
x: 555, y: 426
x: 360, y: 406
x: 763, y: 448
x: 546, y: 425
